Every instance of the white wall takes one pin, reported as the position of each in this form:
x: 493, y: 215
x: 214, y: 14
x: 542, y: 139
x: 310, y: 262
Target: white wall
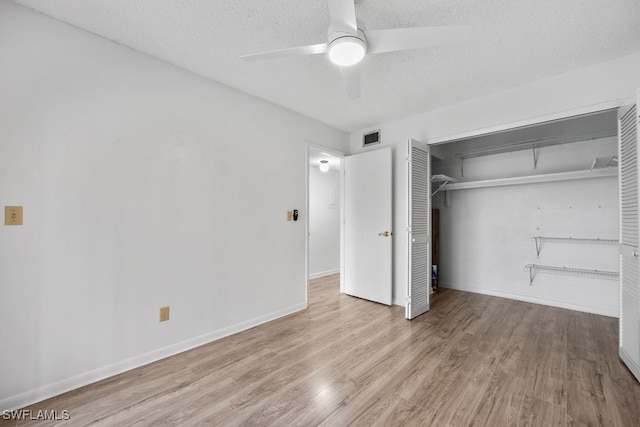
x: 607, y: 84
x: 143, y: 185
x: 324, y: 222
x: 486, y: 233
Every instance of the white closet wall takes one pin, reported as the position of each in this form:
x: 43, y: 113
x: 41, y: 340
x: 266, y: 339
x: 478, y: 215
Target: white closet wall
x: 486, y: 234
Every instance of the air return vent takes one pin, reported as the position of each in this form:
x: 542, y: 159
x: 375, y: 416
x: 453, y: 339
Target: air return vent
x: 371, y: 138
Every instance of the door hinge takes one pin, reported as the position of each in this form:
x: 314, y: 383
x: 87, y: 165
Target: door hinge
x: 408, y: 159
x: 408, y: 300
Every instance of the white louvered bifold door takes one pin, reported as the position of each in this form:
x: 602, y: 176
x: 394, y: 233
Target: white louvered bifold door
x: 419, y: 229
x: 629, y: 242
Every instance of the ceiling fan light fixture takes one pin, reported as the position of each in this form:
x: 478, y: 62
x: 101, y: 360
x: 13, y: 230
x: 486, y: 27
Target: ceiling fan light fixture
x: 347, y: 50
x: 324, y: 165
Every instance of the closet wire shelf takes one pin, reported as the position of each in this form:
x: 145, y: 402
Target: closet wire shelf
x: 595, y: 241
x: 536, y: 144
x: 580, y: 272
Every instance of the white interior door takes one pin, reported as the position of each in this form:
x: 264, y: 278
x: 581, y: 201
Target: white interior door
x: 629, y: 241
x: 367, y: 225
x: 419, y: 229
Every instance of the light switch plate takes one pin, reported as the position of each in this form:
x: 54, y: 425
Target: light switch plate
x: 13, y: 215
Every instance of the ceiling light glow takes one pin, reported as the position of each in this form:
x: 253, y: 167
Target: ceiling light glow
x: 324, y: 165
x: 347, y: 50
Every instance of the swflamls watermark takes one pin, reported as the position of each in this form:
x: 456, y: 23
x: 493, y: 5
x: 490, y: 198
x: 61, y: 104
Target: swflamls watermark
x: 41, y: 415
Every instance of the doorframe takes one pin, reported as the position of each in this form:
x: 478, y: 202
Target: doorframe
x: 337, y: 153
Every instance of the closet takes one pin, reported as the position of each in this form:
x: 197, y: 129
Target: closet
x: 532, y: 213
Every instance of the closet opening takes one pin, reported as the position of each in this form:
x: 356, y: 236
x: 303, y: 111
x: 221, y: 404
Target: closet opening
x: 531, y: 213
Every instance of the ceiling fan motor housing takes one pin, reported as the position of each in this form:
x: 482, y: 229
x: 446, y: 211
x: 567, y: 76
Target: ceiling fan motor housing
x: 346, y: 48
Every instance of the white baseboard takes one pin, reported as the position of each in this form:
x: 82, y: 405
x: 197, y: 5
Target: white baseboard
x: 50, y: 390
x: 541, y: 301
x: 323, y: 273
x: 399, y: 301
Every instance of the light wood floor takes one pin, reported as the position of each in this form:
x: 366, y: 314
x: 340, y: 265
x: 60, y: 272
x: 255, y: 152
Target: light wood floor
x: 472, y: 360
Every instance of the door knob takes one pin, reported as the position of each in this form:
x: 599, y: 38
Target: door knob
x: 385, y: 234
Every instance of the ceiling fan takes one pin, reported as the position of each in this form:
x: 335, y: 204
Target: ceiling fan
x: 348, y: 42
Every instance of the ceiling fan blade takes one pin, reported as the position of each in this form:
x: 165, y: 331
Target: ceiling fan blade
x: 379, y: 41
x: 342, y: 14
x: 351, y: 78
x: 313, y: 49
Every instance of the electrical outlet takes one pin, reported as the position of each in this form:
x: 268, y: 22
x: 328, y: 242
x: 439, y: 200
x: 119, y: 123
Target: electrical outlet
x: 13, y: 215
x: 164, y: 314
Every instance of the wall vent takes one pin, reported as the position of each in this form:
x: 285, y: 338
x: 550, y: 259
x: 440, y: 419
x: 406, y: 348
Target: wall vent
x: 371, y: 138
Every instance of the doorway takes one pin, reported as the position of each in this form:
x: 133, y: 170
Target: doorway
x: 325, y: 212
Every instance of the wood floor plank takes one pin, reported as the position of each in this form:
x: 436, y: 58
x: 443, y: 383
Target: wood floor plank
x: 546, y: 375
x: 321, y: 405
x: 623, y: 400
x: 494, y: 335
x: 536, y: 412
x: 380, y: 375
x: 502, y: 401
x: 459, y: 401
x: 306, y: 362
x: 517, y: 357
x: 392, y: 410
x: 582, y: 340
x: 471, y: 360
x: 586, y: 401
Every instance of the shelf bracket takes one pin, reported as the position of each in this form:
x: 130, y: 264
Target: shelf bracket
x: 439, y: 188
x: 531, y: 275
x: 538, y: 246
x: 604, y: 162
x: 461, y: 164
x: 536, y: 154
x: 442, y: 180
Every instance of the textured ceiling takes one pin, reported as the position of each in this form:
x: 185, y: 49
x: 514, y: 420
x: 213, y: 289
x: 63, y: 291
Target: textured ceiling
x: 513, y: 42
